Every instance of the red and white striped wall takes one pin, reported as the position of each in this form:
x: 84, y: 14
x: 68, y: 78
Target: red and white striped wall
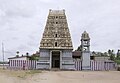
x: 96, y: 65
x: 78, y: 65
x: 22, y: 64
x: 31, y: 64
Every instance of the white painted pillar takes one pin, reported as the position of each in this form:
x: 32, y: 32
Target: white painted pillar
x: 86, y: 61
x: 50, y: 60
x: 60, y: 59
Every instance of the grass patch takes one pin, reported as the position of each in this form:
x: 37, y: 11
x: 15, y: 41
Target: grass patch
x: 117, y: 61
x: 33, y: 71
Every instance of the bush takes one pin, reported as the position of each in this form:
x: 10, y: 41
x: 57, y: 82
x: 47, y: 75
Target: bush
x: 118, y: 68
x: 117, y: 61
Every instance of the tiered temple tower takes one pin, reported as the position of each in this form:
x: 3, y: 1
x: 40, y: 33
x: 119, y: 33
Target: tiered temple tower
x: 56, y: 44
x: 85, y: 44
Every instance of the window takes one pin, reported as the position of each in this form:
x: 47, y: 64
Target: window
x: 56, y: 44
x: 56, y: 22
x: 56, y: 16
x: 55, y: 35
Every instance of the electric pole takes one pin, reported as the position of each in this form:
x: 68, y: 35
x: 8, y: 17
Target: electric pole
x: 3, y: 53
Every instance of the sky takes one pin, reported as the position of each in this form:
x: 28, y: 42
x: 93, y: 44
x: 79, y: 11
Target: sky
x: 22, y: 23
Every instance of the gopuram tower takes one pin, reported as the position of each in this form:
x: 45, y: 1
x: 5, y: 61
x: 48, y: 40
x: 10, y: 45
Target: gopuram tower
x: 56, y: 44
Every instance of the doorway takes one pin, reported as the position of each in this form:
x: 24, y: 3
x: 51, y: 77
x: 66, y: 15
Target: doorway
x: 55, y: 59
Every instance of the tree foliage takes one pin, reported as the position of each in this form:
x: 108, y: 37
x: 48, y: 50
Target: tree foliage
x: 111, y: 54
x: 34, y: 57
x: 79, y: 48
x: 17, y: 54
x: 118, y: 55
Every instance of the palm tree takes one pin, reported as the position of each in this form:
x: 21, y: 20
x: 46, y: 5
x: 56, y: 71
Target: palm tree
x: 111, y: 54
x: 118, y: 55
x: 27, y: 54
x: 17, y: 54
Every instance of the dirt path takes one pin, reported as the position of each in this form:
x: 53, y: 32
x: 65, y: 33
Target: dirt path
x: 66, y: 77
x: 77, y: 77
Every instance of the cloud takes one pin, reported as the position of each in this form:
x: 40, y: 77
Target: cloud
x: 22, y: 22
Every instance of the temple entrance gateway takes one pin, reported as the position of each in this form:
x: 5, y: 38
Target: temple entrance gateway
x: 56, y: 44
x: 55, y: 59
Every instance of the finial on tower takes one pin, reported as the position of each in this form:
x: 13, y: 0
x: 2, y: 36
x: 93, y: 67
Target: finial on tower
x: 85, y: 35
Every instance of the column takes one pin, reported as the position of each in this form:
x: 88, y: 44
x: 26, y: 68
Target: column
x: 60, y: 59
x: 50, y: 66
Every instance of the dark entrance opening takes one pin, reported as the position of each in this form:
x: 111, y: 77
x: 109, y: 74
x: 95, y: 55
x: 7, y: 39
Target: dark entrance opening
x: 56, y: 59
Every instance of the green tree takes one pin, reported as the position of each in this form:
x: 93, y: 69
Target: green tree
x: 105, y: 54
x: 111, y: 54
x: 79, y: 48
x: 101, y: 54
x: 27, y: 54
x: 17, y: 54
x: 93, y: 53
x: 118, y: 55
x: 34, y: 57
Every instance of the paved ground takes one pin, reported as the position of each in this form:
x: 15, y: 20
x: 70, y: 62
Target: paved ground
x: 61, y: 77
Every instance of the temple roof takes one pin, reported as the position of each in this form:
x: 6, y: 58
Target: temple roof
x: 56, y: 33
x: 56, y: 11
